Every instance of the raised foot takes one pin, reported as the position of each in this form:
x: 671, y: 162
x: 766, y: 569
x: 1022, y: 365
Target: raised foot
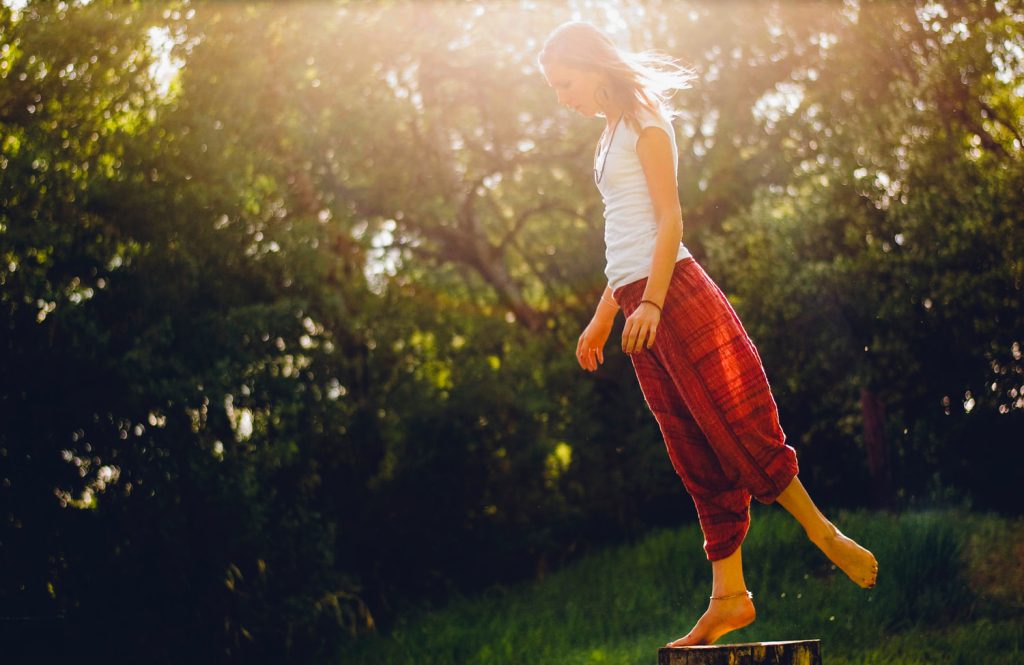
x: 722, y: 616
x: 858, y: 563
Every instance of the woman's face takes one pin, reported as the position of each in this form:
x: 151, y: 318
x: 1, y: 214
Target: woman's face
x: 575, y: 87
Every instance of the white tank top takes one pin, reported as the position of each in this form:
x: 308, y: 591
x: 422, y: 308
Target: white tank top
x: 629, y: 224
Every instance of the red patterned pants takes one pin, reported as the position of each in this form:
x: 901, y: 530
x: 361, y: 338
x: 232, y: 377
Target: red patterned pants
x: 704, y: 383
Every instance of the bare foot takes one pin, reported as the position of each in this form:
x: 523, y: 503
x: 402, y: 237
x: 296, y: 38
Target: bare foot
x: 722, y: 617
x: 858, y: 563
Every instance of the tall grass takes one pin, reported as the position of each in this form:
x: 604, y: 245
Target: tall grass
x: 619, y: 605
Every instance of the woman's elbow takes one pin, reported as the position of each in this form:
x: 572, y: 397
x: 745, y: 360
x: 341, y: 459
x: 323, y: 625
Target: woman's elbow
x: 672, y: 224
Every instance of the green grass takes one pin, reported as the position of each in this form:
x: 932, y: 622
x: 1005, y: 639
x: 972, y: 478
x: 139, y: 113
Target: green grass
x: 945, y: 594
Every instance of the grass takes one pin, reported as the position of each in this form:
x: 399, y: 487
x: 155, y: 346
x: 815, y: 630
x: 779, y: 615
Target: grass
x: 950, y: 590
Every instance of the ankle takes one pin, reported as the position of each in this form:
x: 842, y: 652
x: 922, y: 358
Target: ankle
x: 823, y: 533
x: 732, y: 595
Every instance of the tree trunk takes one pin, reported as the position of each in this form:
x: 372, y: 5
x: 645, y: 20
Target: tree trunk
x: 803, y: 652
x: 877, y: 445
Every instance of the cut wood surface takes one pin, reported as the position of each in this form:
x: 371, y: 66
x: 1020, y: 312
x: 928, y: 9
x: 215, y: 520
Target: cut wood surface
x: 801, y: 652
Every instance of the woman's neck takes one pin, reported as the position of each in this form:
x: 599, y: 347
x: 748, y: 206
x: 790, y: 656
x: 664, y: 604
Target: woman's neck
x: 612, y: 116
x: 612, y: 112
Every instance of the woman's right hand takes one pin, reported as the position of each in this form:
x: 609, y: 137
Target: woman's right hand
x: 590, y: 348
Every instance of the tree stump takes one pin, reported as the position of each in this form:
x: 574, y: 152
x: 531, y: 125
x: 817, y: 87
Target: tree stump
x: 803, y: 652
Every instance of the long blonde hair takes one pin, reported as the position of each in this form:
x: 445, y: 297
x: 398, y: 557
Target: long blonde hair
x: 646, y: 79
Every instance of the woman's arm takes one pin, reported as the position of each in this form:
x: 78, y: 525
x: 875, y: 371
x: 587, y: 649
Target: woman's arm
x: 606, y: 307
x: 590, y: 347
x: 654, y: 148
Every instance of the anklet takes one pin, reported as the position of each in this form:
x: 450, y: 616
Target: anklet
x: 732, y: 595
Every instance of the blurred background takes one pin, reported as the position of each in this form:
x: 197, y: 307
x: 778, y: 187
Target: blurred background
x: 289, y: 295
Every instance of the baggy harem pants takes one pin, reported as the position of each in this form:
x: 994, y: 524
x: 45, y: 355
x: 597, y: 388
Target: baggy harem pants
x: 704, y: 382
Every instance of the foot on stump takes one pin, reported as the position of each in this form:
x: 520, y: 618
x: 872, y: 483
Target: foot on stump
x: 724, y: 615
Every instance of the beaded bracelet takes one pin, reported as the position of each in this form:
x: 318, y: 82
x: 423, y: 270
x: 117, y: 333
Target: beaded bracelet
x: 653, y: 303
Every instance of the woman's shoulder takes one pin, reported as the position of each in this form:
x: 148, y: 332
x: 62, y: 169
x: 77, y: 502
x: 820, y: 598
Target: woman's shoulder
x: 658, y: 115
x: 659, y: 118
x: 646, y: 117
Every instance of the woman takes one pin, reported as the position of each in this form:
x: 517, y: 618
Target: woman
x: 699, y: 372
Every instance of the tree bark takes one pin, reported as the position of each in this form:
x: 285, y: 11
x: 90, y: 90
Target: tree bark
x: 805, y: 652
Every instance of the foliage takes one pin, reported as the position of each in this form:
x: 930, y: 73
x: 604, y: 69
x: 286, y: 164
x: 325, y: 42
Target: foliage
x: 286, y: 335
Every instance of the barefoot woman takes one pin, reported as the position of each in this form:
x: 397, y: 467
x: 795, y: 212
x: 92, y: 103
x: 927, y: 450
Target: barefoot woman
x: 699, y: 371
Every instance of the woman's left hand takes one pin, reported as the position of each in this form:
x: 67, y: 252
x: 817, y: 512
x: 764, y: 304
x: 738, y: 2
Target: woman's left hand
x: 640, y: 328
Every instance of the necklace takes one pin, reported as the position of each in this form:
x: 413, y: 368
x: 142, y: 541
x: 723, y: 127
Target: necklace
x: 597, y: 153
